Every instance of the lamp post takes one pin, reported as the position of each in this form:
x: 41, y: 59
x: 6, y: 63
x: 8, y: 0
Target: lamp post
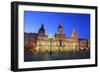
x: 50, y: 39
x: 60, y: 45
x: 75, y: 45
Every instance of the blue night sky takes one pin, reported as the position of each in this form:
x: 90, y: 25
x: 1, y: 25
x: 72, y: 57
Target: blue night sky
x: 51, y: 20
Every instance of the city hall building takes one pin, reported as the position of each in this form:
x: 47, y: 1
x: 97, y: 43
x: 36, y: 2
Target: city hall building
x: 59, y: 42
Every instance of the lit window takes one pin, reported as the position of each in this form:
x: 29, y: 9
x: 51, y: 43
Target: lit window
x: 42, y: 43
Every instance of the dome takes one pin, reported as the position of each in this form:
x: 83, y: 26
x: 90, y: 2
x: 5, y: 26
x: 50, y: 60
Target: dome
x: 41, y: 30
x: 59, y: 26
x: 60, y: 29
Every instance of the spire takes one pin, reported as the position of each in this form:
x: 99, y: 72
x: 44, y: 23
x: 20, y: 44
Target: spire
x: 42, y: 26
x: 74, y: 34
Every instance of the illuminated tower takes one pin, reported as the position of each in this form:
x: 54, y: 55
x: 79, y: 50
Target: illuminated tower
x: 74, y: 34
x: 75, y: 42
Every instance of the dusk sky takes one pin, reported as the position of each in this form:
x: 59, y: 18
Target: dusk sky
x: 51, y: 20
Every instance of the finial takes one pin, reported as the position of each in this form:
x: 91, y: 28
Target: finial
x: 42, y: 25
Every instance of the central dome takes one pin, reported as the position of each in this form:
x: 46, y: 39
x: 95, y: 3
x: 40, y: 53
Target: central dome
x: 59, y: 26
x: 41, y: 30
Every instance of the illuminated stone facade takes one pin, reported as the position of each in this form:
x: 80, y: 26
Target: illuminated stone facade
x: 59, y: 42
